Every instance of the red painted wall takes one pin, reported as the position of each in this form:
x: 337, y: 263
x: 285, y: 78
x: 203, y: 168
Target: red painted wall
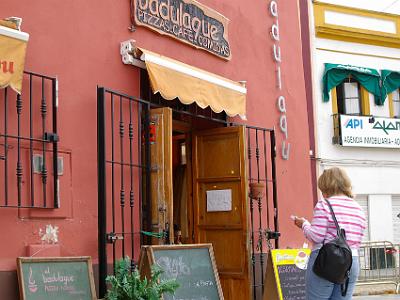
x: 78, y: 41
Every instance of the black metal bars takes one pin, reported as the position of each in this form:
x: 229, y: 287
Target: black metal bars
x: 120, y: 120
x: 102, y: 204
x: 261, y: 171
x: 29, y: 139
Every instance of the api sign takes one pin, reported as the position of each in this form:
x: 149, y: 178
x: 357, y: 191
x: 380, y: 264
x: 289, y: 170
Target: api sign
x: 370, y: 132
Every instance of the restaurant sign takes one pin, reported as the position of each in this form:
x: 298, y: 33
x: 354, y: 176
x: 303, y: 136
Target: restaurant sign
x: 370, y: 132
x: 187, y: 21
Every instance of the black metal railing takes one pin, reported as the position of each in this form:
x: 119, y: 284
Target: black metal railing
x: 121, y: 174
x: 124, y: 169
x: 29, y: 140
x: 261, y: 155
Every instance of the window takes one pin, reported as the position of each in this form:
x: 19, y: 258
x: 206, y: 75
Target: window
x: 350, y: 98
x: 394, y: 103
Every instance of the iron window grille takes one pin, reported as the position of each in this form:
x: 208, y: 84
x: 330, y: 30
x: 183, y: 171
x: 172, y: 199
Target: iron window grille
x: 29, y: 165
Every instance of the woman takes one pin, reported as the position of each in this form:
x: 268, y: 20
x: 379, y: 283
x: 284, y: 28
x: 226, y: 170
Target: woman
x: 335, y: 186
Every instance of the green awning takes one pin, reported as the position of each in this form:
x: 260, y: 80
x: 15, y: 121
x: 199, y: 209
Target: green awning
x: 390, y: 81
x: 370, y: 79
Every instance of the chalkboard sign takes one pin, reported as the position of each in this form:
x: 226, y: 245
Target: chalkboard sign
x: 193, y: 266
x: 292, y: 282
x: 61, y: 278
x: 286, y: 272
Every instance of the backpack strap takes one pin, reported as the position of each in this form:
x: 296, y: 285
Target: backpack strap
x: 344, y: 287
x: 339, y: 232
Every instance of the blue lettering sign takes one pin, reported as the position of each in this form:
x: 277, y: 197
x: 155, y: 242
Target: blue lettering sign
x: 354, y: 123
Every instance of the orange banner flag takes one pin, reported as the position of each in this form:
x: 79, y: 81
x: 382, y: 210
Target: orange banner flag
x: 13, y: 45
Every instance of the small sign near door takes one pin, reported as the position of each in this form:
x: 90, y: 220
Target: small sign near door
x: 285, y: 274
x: 219, y: 200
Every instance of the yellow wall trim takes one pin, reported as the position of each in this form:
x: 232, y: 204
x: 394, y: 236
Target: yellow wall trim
x: 334, y: 101
x: 358, y: 53
x: 391, y: 109
x: 365, y: 106
x: 335, y: 115
x: 353, y: 34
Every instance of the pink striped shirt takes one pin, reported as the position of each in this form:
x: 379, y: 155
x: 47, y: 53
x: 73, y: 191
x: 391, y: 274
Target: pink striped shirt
x: 349, y: 215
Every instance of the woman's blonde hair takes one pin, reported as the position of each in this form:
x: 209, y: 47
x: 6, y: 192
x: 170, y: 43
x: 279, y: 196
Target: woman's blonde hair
x: 334, y: 181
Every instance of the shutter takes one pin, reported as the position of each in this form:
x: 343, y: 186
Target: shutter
x: 396, y: 219
x: 363, y: 201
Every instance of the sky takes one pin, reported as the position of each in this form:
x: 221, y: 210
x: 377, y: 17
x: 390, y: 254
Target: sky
x: 388, y: 6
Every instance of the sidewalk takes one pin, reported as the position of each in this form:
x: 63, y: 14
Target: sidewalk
x: 381, y: 297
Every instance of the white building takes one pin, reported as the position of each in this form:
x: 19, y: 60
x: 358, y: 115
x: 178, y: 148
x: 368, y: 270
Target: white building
x: 354, y: 129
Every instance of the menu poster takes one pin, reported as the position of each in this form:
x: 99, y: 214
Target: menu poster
x: 285, y: 276
x: 61, y: 278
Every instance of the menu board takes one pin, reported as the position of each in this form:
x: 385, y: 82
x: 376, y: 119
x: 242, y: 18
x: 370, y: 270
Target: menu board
x: 286, y: 274
x: 61, y: 278
x: 193, y: 267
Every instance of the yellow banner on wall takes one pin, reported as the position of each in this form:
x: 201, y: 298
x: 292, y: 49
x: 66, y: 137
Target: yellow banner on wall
x: 13, y: 45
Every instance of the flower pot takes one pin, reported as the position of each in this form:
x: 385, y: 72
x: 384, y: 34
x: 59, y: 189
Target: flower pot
x: 257, y: 190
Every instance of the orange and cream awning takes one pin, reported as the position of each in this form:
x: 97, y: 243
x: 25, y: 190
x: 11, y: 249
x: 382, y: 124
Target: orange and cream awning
x: 13, y: 45
x: 174, y: 79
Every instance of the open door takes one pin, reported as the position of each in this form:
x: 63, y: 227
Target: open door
x: 161, y: 173
x: 220, y: 204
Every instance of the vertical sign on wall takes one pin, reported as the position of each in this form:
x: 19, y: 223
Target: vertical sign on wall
x: 281, y: 101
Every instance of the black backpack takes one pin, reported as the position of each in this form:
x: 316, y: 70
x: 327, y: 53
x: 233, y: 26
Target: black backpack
x: 334, y: 259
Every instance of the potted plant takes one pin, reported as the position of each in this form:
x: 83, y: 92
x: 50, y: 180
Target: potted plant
x: 127, y: 285
x: 257, y: 190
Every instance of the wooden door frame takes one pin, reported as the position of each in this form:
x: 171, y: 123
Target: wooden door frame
x: 166, y: 151
x: 186, y: 129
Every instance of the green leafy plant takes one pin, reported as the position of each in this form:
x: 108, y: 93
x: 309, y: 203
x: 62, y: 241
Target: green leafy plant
x: 127, y: 285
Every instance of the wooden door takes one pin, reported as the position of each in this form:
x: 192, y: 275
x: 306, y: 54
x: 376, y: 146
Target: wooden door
x: 161, y: 172
x: 221, y: 205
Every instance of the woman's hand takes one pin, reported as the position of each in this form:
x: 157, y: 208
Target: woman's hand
x: 299, y: 222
